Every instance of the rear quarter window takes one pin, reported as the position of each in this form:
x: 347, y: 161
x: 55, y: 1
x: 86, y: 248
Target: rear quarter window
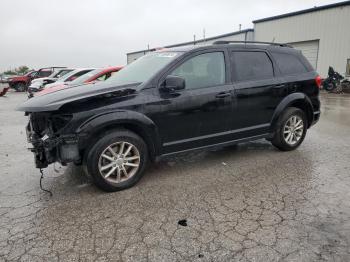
x: 289, y: 64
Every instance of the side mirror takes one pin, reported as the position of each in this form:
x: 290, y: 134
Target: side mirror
x: 173, y: 83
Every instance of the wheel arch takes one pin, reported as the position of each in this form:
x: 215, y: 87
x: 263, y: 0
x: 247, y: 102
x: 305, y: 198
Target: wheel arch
x: 298, y: 100
x: 93, y: 128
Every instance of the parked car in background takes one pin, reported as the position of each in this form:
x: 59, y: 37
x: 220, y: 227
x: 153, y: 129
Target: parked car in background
x: 93, y: 76
x: 21, y: 83
x: 64, y: 79
x: 176, y: 100
x: 41, y: 82
x: 5, y: 78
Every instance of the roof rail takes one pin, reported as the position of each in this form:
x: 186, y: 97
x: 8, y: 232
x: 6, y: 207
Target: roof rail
x: 222, y: 42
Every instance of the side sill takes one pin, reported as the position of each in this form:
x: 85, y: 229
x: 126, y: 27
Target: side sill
x: 218, y: 145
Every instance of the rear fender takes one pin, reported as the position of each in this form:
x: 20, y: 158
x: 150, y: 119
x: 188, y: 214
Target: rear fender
x: 298, y: 100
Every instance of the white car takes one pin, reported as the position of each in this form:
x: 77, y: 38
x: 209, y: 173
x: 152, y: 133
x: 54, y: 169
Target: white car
x: 62, y: 80
x: 41, y: 82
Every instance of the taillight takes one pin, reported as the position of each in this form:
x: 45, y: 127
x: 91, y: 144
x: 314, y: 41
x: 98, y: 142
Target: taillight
x: 318, y: 81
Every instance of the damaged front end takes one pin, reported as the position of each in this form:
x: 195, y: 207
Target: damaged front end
x: 50, y: 144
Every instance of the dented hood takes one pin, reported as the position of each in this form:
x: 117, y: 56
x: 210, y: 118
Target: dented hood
x: 53, y: 101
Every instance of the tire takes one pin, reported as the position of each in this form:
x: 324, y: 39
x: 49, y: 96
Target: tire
x: 111, y: 180
x: 329, y: 86
x: 20, y: 87
x: 285, y: 124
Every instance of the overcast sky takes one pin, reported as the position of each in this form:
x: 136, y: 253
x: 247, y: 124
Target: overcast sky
x: 95, y: 33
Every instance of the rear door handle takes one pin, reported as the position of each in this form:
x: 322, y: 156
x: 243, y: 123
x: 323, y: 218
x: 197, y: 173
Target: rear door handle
x: 279, y: 86
x: 223, y: 95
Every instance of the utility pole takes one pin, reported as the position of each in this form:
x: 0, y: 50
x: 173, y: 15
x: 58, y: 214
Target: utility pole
x: 194, y: 39
x: 204, y: 34
x: 240, y: 27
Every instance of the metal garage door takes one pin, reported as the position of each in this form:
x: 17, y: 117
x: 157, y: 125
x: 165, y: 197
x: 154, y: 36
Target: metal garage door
x: 309, y: 50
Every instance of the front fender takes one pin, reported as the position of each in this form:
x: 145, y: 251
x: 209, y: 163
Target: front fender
x: 290, y: 100
x: 137, y: 122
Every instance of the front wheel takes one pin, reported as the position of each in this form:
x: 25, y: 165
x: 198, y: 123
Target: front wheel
x: 290, y: 129
x: 117, y: 160
x: 20, y: 87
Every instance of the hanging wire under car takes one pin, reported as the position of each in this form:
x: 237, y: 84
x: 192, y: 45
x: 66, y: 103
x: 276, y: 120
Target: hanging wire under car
x: 41, y: 187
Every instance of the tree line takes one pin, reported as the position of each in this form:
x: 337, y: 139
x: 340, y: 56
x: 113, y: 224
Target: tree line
x: 21, y: 70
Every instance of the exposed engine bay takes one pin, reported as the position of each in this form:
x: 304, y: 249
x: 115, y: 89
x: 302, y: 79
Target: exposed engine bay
x: 49, y: 145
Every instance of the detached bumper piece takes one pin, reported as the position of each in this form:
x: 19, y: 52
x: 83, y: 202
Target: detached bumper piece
x: 63, y: 149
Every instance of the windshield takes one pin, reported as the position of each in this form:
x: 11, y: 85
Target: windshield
x: 64, y: 77
x: 85, y: 77
x: 61, y: 73
x: 143, y: 68
x: 73, y: 74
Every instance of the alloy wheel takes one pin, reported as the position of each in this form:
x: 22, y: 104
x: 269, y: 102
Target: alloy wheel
x: 119, y: 162
x: 293, y: 130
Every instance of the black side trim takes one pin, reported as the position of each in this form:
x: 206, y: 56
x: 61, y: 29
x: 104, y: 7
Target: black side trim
x: 247, y: 139
x: 216, y: 134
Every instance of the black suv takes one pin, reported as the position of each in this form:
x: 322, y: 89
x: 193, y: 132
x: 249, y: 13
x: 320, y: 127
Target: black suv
x: 175, y: 100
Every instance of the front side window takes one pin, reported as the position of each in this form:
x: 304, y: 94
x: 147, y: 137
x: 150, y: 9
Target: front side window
x: 203, y: 70
x: 32, y: 74
x: 44, y: 73
x: 248, y: 66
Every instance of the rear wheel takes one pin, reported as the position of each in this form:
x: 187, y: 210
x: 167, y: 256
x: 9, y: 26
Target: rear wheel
x: 329, y: 86
x: 290, y: 129
x: 117, y: 160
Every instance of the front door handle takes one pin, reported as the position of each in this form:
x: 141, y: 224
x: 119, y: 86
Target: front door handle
x: 223, y: 95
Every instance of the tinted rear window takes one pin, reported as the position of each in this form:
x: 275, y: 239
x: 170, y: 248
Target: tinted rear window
x: 251, y: 66
x: 289, y: 64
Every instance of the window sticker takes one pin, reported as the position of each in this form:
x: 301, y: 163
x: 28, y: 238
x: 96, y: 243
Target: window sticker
x: 166, y: 54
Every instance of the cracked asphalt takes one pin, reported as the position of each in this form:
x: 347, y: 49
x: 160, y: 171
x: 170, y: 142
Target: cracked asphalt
x: 242, y: 203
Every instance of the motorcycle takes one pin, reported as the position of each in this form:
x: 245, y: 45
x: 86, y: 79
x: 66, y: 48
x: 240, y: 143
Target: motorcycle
x: 335, y: 82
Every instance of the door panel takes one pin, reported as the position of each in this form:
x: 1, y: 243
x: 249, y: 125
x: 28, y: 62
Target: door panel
x: 201, y: 114
x: 257, y: 92
x: 196, y: 118
x: 255, y: 103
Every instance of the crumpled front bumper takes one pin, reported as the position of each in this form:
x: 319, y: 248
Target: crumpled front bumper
x: 47, y: 150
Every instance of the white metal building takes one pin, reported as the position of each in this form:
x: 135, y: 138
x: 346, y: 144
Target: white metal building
x: 321, y: 33
x: 243, y: 35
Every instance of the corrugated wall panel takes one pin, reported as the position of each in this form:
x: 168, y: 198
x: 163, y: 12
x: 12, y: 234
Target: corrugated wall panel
x: 309, y: 50
x: 330, y: 26
x: 249, y: 36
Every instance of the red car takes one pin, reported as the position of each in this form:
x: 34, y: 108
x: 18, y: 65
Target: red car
x: 95, y: 75
x: 20, y: 83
